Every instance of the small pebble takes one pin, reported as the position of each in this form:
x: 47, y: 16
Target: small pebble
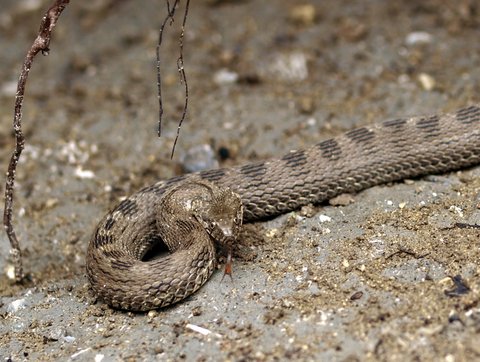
x: 199, y: 158
x: 352, y: 30
x: 225, y: 76
x: 55, y: 333
x: 10, y: 271
x: 289, y: 66
x: 306, y: 105
x: 304, y: 14
x: 307, y: 211
x: 16, y: 305
x: 456, y: 210
x: 426, y: 81
x: 152, y: 314
x: 324, y: 218
x: 342, y: 200
x: 84, y: 174
x: 418, y: 37
x: 356, y: 295
x: 69, y: 339
x: 197, y: 311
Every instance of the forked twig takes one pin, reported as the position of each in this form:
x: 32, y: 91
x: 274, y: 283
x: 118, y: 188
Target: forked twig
x: 40, y: 44
x: 180, y: 67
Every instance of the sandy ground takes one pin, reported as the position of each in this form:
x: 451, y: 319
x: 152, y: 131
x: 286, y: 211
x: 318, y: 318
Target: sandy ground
x: 364, y: 281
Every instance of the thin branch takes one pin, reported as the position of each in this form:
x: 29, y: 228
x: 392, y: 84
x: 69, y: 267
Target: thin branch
x: 40, y: 44
x: 169, y: 17
x: 180, y: 67
x: 183, y: 77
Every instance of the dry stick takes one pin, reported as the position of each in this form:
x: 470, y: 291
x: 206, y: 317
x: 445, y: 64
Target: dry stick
x: 40, y: 44
x: 180, y: 67
x: 183, y: 77
x: 170, y: 14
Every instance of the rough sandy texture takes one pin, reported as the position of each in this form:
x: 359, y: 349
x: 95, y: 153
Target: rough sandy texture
x: 361, y: 281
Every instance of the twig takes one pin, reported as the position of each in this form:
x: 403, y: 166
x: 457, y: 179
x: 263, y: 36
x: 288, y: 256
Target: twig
x: 180, y: 67
x: 40, y: 44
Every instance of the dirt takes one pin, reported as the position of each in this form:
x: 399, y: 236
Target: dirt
x: 393, y: 275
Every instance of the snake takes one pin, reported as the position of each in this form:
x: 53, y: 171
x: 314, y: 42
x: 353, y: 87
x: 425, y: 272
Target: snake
x: 192, y: 215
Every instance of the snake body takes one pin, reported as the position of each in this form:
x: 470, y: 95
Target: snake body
x: 360, y: 158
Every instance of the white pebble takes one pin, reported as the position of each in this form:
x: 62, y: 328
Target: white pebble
x: 426, y: 81
x: 69, y: 339
x: 418, y: 37
x: 16, y: 305
x: 225, y: 76
x: 324, y: 218
x: 10, y: 272
x: 84, y: 173
x: 457, y: 210
x: 291, y: 67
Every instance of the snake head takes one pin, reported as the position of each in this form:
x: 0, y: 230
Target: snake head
x: 222, y: 215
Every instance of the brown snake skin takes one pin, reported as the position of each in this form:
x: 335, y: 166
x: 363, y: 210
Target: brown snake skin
x: 361, y: 158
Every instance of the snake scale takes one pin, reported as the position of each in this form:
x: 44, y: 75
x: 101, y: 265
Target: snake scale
x: 190, y: 212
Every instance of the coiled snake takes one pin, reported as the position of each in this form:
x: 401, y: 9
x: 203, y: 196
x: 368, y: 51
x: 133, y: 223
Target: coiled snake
x: 190, y: 212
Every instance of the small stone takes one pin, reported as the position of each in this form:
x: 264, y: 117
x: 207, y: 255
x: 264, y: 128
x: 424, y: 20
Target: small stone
x: 84, y: 174
x: 152, y: 314
x: 199, y: 158
x: 304, y: 14
x: 342, y: 200
x: 356, y: 295
x: 69, y: 339
x: 10, y: 271
x: 197, y: 311
x: 225, y: 76
x: 306, y: 105
x: 158, y: 349
x: 292, y: 67
x: 16, y: 305
x: 307, y: 211
x: 271, y: 233
x: 324, y: 218
x: 352, y: 30
x: 418, y: 37
x: 457, y: 210
x: 51, y: 203
x: 55, y: 333
x: 426, y: 81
